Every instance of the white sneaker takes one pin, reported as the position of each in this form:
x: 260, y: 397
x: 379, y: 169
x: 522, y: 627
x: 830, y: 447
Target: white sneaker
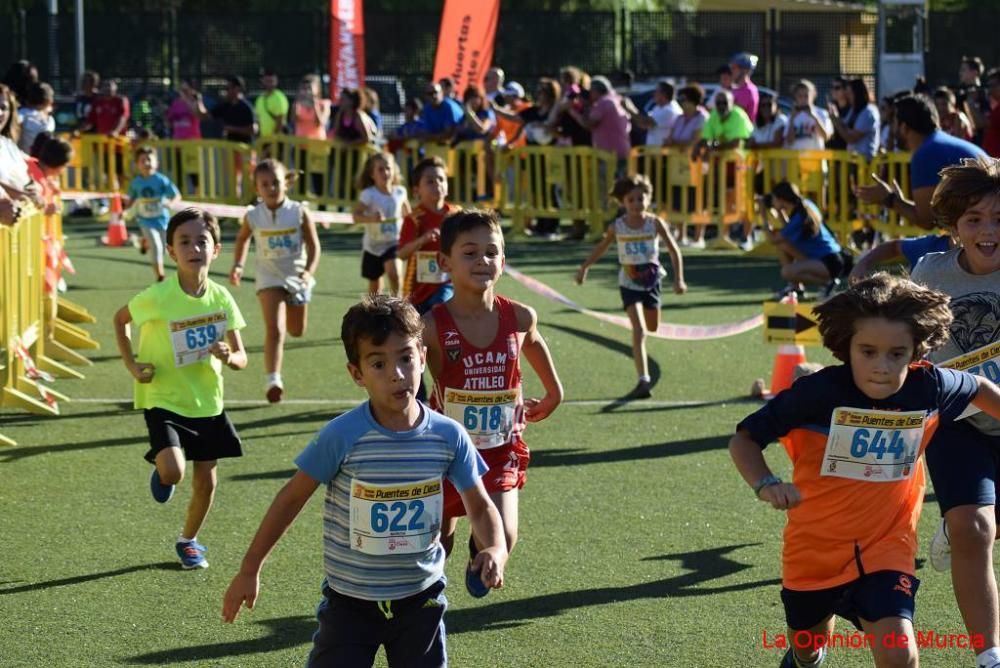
x: 698, y: 243
x: 746, y: 245
x: 941, y: 549
x: 685, y: 242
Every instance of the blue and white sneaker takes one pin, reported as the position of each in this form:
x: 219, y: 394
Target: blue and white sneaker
x: 474, y: 584
x: 161, y: 493
x: 192, y: 554
x: 788, y: 661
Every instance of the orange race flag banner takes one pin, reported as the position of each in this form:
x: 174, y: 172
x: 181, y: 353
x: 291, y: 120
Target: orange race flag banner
x: 465, y: 43
x: 347, y: 46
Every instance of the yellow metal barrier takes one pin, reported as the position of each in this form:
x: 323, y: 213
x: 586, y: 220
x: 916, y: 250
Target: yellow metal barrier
x: 826, y: 177
x: 561, y: 182
x: 890, y: 167
x: 329, y: 170
x: 709, y: 191
x: 471, y: 167
x: 22, y: 340
x: 207, y: 170
x: 100, y: 164
x: 528, y: 181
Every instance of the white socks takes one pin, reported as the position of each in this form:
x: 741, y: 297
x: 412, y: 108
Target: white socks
x: 274, y: 379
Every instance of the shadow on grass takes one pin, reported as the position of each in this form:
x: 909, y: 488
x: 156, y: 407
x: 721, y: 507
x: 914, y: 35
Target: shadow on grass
x: 283, y: 633
x: 706, y: 565
x: 80, y: 579
x: 14, y: 454
x: 283, y: 474
x: 581, y: 456
x: 609, y: 344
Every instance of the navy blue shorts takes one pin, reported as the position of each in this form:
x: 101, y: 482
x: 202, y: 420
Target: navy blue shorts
x: 871, y: 597
x: 440, y: 296
x: 202, y: 439
x: 649, y: 298
x: 963, y: 463
x: 351, y: 630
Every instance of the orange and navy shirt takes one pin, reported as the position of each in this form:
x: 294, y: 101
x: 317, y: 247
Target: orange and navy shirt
x: 417, y: 223
x: 847, y: 527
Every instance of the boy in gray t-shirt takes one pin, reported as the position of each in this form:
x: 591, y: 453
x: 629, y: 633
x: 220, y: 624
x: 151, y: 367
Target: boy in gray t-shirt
x: 964, y: 457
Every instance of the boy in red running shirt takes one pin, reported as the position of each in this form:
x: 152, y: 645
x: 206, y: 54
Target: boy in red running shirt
x: 424, y: 282
x: 855, y: 435
x: 473, y: 346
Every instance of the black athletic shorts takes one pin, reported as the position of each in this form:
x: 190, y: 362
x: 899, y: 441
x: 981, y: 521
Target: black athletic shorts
x: 202, y: 439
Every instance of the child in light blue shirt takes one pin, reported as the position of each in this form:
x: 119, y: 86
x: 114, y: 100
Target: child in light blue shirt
x: 152, y: 194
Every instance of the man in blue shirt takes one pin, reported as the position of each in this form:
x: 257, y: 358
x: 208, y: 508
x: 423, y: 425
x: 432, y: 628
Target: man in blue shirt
x: 441, y: 115
x: 917, y: 126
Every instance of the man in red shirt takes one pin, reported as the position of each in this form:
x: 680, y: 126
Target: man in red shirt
x: 109, y: 113
x: 991, y: 136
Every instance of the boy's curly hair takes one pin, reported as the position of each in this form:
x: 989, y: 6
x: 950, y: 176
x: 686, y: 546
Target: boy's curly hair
x: 375, y: 318
x: 962, y: 186
x: 923, y: 310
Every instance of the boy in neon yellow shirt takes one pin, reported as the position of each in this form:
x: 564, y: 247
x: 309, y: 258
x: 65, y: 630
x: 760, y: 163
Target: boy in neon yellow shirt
x: 188, y: 328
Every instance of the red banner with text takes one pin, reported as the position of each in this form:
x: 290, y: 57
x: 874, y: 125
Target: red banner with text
x: 347, y: 46
x: 465, y: 43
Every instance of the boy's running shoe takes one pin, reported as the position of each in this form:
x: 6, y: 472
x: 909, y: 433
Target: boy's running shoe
x: 192, y: 554
x: 788, y: 661
x: 941, y: 549
x: 830, y: 288
x: 274, y: 392
x: 642, y: 390
x: 474, y: 583
x: 161, y: 493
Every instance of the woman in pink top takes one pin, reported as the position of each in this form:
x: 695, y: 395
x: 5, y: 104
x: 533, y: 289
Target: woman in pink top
x: 607, y: 120
x: 185, y: 113
x: 312, y: 112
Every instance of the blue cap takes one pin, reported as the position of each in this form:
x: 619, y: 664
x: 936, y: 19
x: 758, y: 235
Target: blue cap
x: 747, y: 61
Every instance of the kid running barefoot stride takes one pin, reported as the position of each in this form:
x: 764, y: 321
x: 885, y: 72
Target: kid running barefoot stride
x: 638, y: 234
x: 474, y: 342
x: 287, y: 255
x: 188, y: 328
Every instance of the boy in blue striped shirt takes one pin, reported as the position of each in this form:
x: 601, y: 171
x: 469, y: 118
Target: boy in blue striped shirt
x: 383, y: 465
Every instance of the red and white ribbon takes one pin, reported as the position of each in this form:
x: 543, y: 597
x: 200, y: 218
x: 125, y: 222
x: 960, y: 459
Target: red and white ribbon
x: 666, y: 330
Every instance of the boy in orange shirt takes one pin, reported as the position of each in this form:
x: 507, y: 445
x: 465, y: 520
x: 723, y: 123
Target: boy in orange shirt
x: 855, y: 435
x: 424, y: 283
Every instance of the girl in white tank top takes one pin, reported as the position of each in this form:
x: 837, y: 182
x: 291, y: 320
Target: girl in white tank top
x: 638, y: 234
x: 287, y: 255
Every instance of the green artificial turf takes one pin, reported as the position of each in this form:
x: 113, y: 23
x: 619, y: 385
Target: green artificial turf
x: 639, y: 543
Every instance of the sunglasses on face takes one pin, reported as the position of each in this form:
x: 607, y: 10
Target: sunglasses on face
x: 838, y: 87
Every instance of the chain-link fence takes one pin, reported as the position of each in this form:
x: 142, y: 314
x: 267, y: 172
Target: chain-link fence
x: 148, y: 51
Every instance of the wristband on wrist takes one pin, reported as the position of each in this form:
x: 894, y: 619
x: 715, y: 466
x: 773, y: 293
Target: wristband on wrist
x: 767, y: 481
x: 889, y: 200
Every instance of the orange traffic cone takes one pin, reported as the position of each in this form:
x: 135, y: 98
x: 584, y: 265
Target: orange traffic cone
x: 117, y: 234
x: 789, y: 357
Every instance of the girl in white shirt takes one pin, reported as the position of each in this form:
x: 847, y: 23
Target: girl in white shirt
x: 381, y: 207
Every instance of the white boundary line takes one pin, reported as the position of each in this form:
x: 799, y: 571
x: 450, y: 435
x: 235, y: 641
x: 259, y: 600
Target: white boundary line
x: 354, y: 402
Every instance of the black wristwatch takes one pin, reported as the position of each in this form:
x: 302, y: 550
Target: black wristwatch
x: 766, y: 481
